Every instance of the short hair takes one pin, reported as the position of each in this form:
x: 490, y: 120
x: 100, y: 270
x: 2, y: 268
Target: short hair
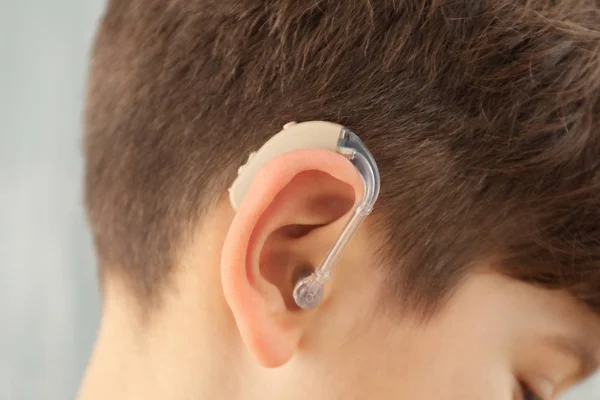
x: 483, y: 117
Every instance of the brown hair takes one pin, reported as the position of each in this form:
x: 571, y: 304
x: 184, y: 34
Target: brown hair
x: 483, y: 116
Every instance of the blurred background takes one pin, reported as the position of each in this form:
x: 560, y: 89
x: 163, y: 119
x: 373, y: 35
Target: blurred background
x: 49, y: 302
x: 49, y: 305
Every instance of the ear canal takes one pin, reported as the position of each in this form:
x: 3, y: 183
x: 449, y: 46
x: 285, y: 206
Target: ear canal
x: 303, y: 271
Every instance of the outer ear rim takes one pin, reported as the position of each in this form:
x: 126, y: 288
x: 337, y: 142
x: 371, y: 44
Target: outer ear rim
x: 251, y: 312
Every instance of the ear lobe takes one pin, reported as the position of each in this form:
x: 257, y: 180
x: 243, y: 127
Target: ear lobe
x: 271, y: 240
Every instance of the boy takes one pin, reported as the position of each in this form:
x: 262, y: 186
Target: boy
x: 477, y: 276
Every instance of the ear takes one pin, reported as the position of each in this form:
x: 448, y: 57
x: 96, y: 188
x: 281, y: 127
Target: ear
x: 288, y: 220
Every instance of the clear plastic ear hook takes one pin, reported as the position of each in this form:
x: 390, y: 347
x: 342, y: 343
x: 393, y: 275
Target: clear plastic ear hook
x: 308, y: 291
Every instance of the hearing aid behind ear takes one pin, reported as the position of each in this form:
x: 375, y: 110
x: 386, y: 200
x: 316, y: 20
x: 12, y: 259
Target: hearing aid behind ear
x: 308, y: 291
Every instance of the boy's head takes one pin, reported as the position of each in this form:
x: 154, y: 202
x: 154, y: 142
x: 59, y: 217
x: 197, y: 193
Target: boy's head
x: 478, y: 273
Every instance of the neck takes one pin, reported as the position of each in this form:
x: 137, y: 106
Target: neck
x: 184, y: 351
x: 189, y: 348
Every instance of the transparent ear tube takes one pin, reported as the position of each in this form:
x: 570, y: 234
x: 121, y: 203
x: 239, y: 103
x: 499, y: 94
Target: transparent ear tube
x: 308, y: 291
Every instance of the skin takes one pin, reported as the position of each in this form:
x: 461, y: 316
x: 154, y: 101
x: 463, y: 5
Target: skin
x: 227, y: 327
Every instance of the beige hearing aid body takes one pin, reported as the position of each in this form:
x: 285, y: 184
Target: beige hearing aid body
x: 294, y: 136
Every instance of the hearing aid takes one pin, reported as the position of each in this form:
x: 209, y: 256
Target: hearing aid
x: 309, y: 290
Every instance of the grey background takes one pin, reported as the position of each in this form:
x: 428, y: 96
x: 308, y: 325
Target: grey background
x: 48, y: 292
x: 49, y: 305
